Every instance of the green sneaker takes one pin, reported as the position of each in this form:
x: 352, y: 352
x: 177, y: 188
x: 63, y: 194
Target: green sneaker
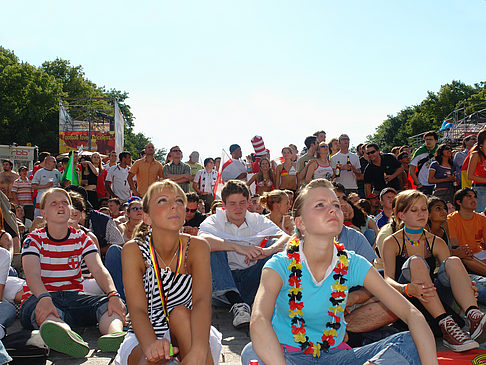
x: 60, y: 339
x: 111, y: 342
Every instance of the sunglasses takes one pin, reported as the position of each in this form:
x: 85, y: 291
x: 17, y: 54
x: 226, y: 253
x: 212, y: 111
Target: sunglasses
x: 136, y: 208
x: 323, y: 146
x: 370, y: 152
x: 191, y: 210
x: 176, y: 151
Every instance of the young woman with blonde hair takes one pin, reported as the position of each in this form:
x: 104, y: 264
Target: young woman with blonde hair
x: 409, y: 258
x: 298, y: 313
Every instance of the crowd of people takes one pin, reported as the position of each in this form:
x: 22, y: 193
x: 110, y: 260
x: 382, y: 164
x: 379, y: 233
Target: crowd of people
x: 386, y: 250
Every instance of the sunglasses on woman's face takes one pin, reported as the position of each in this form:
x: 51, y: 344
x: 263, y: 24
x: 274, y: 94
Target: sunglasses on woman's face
x: 136, y: 208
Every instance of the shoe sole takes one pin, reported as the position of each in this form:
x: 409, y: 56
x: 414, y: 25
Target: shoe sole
x: 480, y: 334
x: 111, y: 342
x: 470, y: 345
x: 62, y: 340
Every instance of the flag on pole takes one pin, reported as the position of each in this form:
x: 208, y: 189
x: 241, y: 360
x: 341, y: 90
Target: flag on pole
x: 218, y: 186
x: 70, y: 173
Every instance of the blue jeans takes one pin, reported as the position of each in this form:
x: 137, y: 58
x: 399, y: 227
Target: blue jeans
x: 481, y: 192
x: 7, y: 314
x: 481, y: 285
x: 398, y: 349
x: 4, y: 358
x: 114, y: 266
x: 245, y: 281
x: 75, y: 308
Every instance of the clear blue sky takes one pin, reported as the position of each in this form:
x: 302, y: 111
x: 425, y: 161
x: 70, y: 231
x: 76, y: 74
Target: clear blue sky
x: 206, y: 74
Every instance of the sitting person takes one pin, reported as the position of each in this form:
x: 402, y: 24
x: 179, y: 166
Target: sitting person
x: 7, y: 310
x: 236, y: 237
x: 155, y: 263
x: 53, y: 299
x: 467, y: 231
x: 409, y: 258
x: 288, y: 324
x: 134, y: 215
x: 194, y: 217
x: 277, y: 202
x: 365, y: 223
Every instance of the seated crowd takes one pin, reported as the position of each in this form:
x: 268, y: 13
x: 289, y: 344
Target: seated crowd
x: 386, y: 250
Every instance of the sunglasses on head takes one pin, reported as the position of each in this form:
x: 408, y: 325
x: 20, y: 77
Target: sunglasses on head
x: 370, y: 152
x: 191, y: 210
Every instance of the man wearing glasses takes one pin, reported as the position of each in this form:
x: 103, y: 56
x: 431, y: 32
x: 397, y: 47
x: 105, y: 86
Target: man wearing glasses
x: 178, y: 171
x: 421, y: 160
x: 147, y: 170
x: 382, y: 171
x: 193, y: 217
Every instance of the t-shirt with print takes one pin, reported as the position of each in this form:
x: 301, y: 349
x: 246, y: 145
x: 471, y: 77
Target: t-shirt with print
x: 42, y: 177
x: 346, y: 178
x: 441, y: 172
x: 315, y: 296
x: 60, y: 260
x: 470, y: 232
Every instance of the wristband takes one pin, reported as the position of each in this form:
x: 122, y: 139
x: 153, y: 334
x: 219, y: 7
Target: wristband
x: 406, y: 291
x: 113, y: 294
x: 43, y: 295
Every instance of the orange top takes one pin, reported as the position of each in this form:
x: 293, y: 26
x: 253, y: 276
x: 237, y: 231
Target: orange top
x: 147, y: 173
x: 470, y: 233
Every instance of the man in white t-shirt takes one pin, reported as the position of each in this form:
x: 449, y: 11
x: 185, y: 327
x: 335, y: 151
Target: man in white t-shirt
x: 234, y: 168
x: 44, y: 179
x: 351, y: 171
x: 116, y: 181
x: 240, y: 245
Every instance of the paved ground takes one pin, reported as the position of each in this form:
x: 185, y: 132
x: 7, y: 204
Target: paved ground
x: 233, y: 342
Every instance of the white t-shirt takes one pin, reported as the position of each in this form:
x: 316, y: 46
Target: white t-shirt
x: 347, y: 178
x: 42, y: 177
x: 206, y: 180
x: 233, y: 170
x: 118, y: 175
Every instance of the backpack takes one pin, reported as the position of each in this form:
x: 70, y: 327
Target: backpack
x: 26, y: 347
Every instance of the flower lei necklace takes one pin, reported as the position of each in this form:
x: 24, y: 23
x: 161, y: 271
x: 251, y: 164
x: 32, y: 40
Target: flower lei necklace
x: 296, y: 304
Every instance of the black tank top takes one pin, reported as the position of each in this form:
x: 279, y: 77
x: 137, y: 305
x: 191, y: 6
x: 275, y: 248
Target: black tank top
x: 403, y: 256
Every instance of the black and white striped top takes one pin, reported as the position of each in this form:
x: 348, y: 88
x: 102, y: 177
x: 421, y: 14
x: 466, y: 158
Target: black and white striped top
x: 178, y: 291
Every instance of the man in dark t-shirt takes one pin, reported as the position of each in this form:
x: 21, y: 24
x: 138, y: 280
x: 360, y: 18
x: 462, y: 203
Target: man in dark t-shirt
x: 382, y: 170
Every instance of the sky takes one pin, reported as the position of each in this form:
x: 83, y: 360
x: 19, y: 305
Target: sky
x: 206, y: 74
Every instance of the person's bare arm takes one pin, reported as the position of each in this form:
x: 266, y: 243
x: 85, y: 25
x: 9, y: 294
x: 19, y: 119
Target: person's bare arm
x: 263, y: 337
x: 367, y: 190
x: 397, y: 172
x: 252, y: 253
x: 108, y: 189
x: 200, y: 268
x: 310, y: 172
x: 132, y: 184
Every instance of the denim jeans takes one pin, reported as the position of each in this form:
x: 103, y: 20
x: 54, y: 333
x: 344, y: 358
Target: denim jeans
x: 398, y: 349
x: 7, y: 314
x: 4, y: 358
x: 245, y: 281
x: 481, y: 192
x: 481, y: 285
x: 114, y: 266
x: 75, y: 308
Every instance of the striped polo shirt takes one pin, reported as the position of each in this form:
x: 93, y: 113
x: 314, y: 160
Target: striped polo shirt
x: 23, y: 189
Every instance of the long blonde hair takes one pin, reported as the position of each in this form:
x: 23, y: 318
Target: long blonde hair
x: 403, y: 202
x: 142, y: 229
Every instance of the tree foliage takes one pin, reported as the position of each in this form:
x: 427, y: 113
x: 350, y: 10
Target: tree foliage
x: 29, y: 98
x: 428, y: 115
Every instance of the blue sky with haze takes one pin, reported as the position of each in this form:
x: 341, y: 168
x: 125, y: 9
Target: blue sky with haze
x: 206, y: 74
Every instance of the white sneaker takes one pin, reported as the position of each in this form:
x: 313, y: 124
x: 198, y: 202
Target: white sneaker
x: 241, y: 314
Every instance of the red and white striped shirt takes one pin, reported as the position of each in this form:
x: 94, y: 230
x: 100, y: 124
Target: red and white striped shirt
x: 23, y: 188
x: 60, y: 260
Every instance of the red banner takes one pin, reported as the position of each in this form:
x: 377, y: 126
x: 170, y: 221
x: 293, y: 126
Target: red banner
x: 102, y: 142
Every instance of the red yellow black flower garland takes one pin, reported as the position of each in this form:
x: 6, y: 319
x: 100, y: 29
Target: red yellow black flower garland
x: 296, y: 305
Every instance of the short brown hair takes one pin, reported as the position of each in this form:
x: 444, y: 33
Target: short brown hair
x: 234, y: 187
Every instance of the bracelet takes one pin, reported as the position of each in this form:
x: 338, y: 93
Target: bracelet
x: 113, y: 294
x: 406, y: 291
x: 43, y: 295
